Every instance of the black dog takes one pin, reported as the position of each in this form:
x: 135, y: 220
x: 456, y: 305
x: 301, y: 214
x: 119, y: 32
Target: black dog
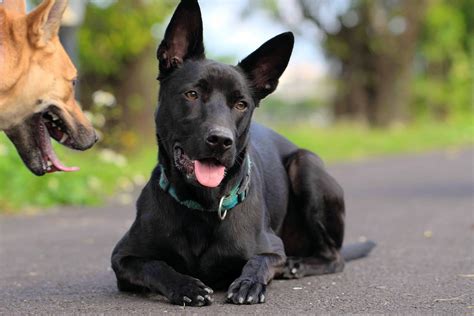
x: 229, y: 199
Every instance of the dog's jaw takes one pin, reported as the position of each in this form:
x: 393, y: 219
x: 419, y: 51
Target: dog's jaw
x: 182, y: 162
x: 32, y: 140
x: 207, y: 172
x: 50, y: 162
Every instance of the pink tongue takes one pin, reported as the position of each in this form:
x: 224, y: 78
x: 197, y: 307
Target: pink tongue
x: 57, y: 165
x: 207, y: 174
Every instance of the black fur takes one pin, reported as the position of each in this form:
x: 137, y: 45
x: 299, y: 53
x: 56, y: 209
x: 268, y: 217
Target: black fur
x: 294, y: 207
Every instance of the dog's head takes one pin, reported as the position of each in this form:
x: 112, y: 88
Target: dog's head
x: 37, y: 90
x: 205, y: 108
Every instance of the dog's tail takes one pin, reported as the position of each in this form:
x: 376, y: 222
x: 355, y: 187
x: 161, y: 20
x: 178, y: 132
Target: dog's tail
x: 357, y: 250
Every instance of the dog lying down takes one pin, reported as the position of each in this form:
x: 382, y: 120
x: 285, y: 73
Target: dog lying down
x: 37, y: 86
x: 231, y: 204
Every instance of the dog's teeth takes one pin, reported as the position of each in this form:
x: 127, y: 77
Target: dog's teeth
x: 54, y: 117
x: 49, y: 163
x: 64, y: 138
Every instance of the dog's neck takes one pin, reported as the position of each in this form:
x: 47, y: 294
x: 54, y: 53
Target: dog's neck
x: 207, y: 197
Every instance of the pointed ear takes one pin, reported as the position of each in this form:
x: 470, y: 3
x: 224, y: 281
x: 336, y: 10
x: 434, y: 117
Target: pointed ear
x: 183, y: 37
x: 265, y: 65
x: 45, y: 20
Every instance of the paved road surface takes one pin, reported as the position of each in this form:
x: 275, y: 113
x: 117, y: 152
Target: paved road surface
x: 419, y: 209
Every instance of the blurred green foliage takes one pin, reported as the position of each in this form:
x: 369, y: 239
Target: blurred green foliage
x: 346, y: 142
x: 117, y: 45
x: 443, y: 84
x: 104, y: 172
x: 394, y: 61
x: 113, y: 35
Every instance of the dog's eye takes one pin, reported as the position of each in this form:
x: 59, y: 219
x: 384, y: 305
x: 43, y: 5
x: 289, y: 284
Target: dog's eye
x: 191, y: 95
x: 241, y: 106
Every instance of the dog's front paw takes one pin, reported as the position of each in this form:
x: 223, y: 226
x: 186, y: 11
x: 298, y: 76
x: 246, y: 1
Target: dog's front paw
x: 246, y: 291
x: 189, y: 291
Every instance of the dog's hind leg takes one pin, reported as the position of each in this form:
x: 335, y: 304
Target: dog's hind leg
x: 314, y: 227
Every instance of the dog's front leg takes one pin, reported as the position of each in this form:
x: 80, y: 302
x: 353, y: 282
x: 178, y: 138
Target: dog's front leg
x: 250, y: 287
x: 158, y: 277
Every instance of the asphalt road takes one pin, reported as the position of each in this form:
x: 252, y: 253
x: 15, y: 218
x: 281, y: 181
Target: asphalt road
x: 418, y: 208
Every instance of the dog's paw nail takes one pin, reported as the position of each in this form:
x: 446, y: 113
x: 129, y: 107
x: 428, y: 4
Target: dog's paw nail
x: 208, y: 290
x: 241, y: 300
x: 294, y: 270
x: 200, y: 298
x: 249, y: 299
x: 209, y: 298
x: 229, y: 296
x: 262, y: 298
x: 187, y: 299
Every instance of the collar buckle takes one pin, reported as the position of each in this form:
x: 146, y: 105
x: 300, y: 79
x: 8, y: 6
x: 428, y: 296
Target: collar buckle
x: 221, y: 212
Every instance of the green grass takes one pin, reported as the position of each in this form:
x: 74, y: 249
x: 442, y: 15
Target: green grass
x: 351, y: 142
x: 104, y: 173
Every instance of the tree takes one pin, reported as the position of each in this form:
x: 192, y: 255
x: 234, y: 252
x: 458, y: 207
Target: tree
x: 372, y: 45
x: 443, y: 85
x: 117, y: 56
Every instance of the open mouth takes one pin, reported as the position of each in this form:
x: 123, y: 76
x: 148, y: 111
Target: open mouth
x: 208, y: 172
x: 50, y: 125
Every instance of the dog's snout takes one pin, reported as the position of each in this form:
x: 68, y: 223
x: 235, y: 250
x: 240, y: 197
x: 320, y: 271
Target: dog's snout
x: 220, y: 138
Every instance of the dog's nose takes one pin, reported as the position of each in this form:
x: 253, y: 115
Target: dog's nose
x: 220, y: 138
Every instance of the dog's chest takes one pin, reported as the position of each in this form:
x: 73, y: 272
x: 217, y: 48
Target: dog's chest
x: 196, y: 238
x: 202, y: 245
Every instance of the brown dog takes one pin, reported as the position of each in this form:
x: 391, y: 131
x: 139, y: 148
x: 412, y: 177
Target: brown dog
x: 37, y: 86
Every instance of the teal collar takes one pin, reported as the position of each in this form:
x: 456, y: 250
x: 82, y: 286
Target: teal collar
x: 227, y: 202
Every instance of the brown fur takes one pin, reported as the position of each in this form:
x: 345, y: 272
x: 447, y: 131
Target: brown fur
x: 35, y: 70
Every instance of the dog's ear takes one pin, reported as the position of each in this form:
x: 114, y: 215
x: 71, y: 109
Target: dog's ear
x: 183, y: 38
x: 265, y: 65
x: 45, y: 20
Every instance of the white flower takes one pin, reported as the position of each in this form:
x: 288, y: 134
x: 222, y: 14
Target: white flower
x: 108, y: 155
x: 125, y: 184
x: 139, y: 180
x: 103, y: 98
